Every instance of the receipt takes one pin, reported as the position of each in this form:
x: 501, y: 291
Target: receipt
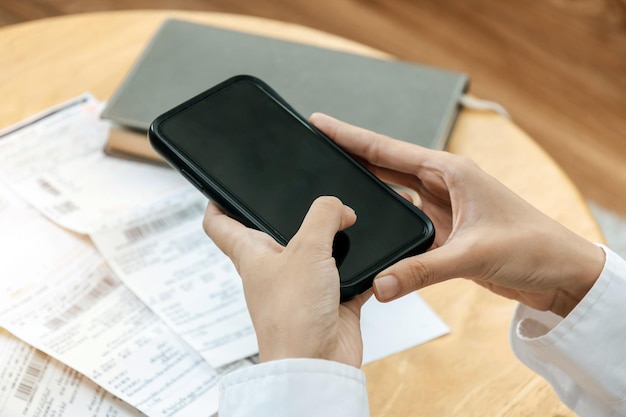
x: 153, y: 315
x: 58, y: 294
x: 35, y: 385
x: 55, y: 162
x: 162, y: 254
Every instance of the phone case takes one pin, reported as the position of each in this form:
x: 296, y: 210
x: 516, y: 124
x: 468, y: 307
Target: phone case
x: 235, y: 209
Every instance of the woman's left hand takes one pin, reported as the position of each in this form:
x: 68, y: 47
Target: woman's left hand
x: 292, y: 292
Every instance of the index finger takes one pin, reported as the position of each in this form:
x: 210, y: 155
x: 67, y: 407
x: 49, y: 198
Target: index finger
x: 227, y: 233
x: 377, y: 149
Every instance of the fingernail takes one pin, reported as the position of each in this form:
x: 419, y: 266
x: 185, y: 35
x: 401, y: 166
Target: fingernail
x: 386, y: 287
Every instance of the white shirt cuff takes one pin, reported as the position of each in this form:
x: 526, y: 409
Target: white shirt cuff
x: 294, y: 387
x: 583, y: 355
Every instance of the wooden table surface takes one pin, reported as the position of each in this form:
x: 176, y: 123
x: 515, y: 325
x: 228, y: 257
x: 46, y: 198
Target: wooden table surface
x: 471, y: 371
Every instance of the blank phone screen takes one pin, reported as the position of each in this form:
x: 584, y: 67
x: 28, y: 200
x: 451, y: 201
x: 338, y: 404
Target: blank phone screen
x: 276, y: 165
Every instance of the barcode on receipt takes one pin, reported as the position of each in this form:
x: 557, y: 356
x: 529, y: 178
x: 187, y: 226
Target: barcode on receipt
x: 160, y: 224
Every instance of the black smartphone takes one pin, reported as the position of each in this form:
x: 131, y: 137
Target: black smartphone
x: 250, y: 152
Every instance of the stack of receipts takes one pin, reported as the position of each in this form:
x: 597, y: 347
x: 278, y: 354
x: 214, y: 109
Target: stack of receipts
x: 113, y: 301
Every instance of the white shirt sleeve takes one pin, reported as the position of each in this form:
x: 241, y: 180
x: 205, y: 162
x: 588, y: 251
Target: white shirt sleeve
x: 583, y: 356
x: 294, y: 387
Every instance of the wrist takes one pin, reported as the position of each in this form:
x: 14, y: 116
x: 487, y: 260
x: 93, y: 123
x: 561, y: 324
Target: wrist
x: 583, y: 270
x: 299, y: 346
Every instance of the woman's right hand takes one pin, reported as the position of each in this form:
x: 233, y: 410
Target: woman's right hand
x: 484, y: 231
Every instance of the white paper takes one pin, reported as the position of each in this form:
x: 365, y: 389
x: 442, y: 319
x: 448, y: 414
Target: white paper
x: 164, y: 257
x: 51, y: 138
x: 57, y: 294
x: 389, y: 328
x: 55, y: 162
x: 32, y: 384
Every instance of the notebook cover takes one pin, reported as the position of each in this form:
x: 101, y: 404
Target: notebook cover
x: 411, y: 102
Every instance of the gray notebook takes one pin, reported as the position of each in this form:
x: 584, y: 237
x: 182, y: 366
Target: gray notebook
x: 410, y: 102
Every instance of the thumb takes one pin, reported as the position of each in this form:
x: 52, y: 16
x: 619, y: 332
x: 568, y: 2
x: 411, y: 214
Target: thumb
x: 419, y: 271
x: 326, y: 216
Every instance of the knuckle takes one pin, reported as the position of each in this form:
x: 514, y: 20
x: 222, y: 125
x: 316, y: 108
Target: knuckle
x: 420, y: 275
x: 458, y: 169
x: 254, y: 251
x: 461, y: 164
x: 466, y: 162
x: 373, y: 148
x: 330, y: 203
x: 306, y: 243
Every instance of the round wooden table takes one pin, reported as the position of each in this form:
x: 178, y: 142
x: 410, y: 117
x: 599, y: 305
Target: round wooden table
x: 471, y: 371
